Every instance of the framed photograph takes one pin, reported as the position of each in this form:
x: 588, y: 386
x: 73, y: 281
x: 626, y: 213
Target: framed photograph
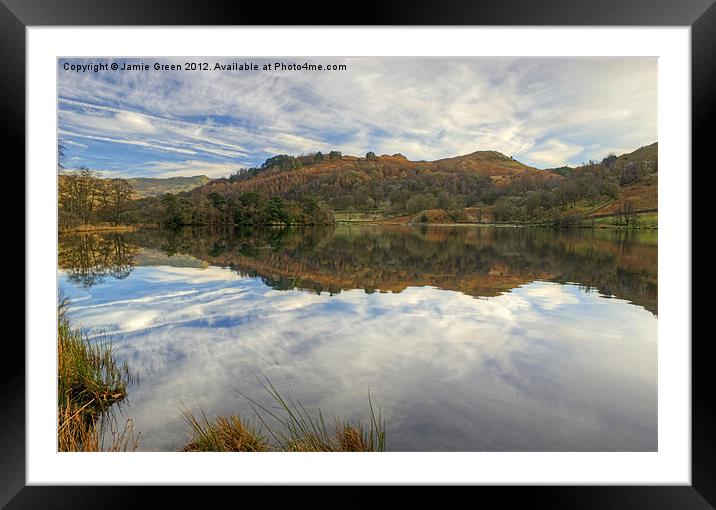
x: 433, y: 248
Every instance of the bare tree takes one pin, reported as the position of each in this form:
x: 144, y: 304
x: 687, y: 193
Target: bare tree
x: 627, y: 216
x: 79, y: 193
x: 116, y: 195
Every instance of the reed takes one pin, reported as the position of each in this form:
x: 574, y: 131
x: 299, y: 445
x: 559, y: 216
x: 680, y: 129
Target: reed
x: 293, y: 429
x: 89, y: 381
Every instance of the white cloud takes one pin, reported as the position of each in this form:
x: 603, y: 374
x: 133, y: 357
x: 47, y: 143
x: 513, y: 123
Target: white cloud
x: 190, y: 168
x: 553, y: 153
x: 133, y: 122
x: 550, y: 296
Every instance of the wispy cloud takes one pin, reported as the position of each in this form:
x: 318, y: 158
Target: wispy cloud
x: 554, y: 153
x: 542, y: 111
x: 190, y: 167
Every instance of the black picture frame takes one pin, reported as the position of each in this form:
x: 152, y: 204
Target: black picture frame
x: 700, y: 15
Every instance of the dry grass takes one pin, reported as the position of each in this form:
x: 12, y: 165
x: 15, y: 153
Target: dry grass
x: 75, y: 431
x: 82, y: 432
x: 293, y: 429
x: 345, y: 438
x: 226, y: 434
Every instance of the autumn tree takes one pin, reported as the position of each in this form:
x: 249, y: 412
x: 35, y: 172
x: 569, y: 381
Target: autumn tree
x: 115, y: 195
x: 78, y: 195
x: 174, y: 211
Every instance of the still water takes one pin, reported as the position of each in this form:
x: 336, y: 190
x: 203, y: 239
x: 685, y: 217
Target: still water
x: 468, y: 339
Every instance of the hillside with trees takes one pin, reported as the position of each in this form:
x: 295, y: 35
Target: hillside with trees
x: 317, y: 188
x: 391, y: 184
x: 484, y: 186
x: 87, y: 201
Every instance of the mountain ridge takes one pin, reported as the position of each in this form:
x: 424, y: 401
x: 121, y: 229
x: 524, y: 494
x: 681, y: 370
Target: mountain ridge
x: 156, y: 186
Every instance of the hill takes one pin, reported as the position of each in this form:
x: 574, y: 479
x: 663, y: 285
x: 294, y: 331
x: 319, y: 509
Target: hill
x: 391, y: 184
x: 155, y: 186
x: 645, y: 158
x: 481, y: 187
x: 500, y: 168
x: 629, y: 167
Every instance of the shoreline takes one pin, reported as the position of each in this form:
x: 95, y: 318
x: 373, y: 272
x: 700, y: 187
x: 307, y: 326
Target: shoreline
x: 99, y: 228
x: 133, y: 228
x: 500, y: 225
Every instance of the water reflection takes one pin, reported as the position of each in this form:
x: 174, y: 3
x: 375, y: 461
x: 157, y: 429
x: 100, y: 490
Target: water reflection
x: 89, y: 258
x: 535, y: 364
x: 475, y: 261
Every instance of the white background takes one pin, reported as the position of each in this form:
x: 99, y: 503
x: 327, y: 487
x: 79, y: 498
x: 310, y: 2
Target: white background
x: 671, y: 464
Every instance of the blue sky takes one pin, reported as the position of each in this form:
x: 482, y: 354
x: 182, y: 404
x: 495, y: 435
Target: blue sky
x: 544, y: 112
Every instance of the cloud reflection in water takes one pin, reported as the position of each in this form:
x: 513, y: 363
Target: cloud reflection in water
x: 543, y: 367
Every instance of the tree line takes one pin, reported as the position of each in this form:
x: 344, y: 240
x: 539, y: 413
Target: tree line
x: 286, y: 162
x: 252, y: 208
x: 85, y: 198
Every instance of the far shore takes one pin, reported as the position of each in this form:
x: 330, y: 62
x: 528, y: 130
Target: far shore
x: 98, y: 228
x: 587, y: 224
x: 500, y: 225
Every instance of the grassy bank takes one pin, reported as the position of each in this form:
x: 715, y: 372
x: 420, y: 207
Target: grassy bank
x: 89, y: 382
x: 583, y: 215
x: 640, y: 220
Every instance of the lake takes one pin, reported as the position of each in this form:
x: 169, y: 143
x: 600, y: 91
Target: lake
x: 467, y: 338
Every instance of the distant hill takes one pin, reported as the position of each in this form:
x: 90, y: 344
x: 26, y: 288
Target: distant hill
x: 155, y: 186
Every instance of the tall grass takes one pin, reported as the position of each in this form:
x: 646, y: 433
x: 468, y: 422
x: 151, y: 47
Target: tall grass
x: 89, y: 375
x: 89, y: 381
x: 297, y: 430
